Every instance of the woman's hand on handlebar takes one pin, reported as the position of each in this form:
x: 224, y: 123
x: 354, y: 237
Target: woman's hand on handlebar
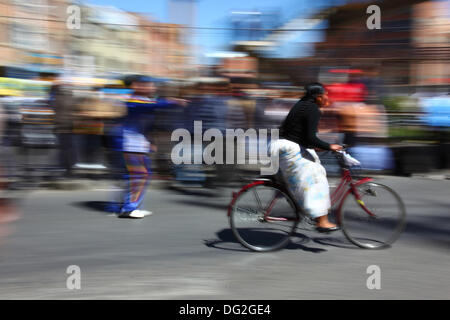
x: 336, y: 147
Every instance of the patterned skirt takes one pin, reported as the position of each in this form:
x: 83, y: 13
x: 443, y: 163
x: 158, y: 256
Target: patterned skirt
x: 305, y: 178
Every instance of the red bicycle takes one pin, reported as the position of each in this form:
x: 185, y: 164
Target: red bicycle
x: 264, y: 215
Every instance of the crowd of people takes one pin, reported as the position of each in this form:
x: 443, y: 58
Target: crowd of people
x: 81, y: 120
x: 121, y: 126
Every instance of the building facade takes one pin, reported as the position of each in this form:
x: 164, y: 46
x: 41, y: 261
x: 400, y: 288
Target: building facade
x: 33, y: 34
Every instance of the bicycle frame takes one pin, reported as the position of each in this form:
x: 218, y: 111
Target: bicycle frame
x: 267, y: 210
x: 347, y: 185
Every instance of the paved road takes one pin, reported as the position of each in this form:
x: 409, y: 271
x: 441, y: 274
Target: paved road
x: 186, y: 251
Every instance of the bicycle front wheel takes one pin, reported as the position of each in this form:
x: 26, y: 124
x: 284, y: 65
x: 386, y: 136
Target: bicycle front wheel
x: 375, y: 220
x: 263, y: 217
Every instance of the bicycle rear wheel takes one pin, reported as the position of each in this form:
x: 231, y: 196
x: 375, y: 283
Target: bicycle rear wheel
x: 376, y: 220
x: 263, y: 217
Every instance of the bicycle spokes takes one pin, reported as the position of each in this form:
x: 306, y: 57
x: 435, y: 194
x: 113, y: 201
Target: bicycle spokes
x: 263, y: 217
x: 372, y: 215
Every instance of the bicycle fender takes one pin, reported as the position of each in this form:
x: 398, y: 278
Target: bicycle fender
x: 235, y: 195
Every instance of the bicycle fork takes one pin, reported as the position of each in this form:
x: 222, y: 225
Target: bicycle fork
x: 361, y: 203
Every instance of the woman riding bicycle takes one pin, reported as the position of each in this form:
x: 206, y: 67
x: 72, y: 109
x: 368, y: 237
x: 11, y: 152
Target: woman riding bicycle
x: 299, y: 163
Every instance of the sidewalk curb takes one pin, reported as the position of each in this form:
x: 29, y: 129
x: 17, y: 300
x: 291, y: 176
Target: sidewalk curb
x: 432, y: 176
x: 87, y: 184
x: 100, y: 184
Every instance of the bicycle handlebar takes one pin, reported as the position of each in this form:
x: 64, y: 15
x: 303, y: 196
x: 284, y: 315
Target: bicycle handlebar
x: 339, y: 155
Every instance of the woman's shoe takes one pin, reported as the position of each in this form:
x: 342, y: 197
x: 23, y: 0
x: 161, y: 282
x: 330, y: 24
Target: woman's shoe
x: 327, y: 230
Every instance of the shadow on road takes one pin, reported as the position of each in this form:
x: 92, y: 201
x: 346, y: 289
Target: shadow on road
x: 429, y: 229
x: 199, y: 192
x: 225, y: 238
x: 99, y: 206
x: 199, y: 203
x: 335, y: 242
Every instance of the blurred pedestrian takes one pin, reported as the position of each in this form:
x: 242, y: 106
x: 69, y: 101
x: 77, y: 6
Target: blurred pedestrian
x: 130, y: 140
x: 60, y: 100
x: 8, y: 212
x: 242, y: 101
x: 347, y: 122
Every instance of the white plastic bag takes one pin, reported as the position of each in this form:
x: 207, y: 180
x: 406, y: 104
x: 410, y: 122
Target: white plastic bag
x: 349, y: 160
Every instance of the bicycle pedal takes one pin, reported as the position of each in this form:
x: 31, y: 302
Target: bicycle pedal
x: 309, y: 221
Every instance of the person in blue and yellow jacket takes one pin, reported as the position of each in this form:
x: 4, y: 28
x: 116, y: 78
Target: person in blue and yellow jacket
x: 129, y: 139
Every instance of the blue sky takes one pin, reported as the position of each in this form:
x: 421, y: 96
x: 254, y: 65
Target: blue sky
x: 209, y: 12
x: 214, y: 13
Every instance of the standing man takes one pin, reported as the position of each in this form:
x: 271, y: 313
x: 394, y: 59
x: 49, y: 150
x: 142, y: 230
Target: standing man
x: 129, y: 139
